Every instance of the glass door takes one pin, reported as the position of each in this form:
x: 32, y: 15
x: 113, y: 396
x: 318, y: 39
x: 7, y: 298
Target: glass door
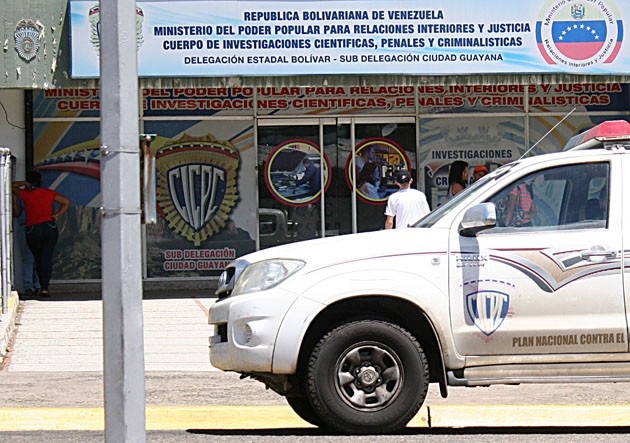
x: 293, y: 176
x: 305, y: 192
x: 381, y: 147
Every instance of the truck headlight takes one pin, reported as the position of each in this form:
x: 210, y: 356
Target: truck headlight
x: 265, y: 274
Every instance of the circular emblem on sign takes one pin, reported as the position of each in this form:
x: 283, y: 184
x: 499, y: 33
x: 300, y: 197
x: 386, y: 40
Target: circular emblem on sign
x: 293, y: 172
x: 579, y: 34
x: 196, y: 185
x: 27, y: 35
x: 376, y: 162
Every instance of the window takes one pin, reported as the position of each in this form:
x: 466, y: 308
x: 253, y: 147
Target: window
x: 566, y: 197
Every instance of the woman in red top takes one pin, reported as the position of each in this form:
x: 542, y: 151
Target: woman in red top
x: 521, y: 200
x: 42, y: 207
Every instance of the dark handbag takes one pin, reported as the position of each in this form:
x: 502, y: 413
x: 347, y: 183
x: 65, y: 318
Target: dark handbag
x: 519, y: 215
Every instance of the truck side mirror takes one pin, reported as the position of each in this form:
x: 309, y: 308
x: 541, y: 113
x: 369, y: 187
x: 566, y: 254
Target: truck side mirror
x: 478, y: 218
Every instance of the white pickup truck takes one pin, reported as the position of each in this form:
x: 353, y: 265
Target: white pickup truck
x: 352, y: 329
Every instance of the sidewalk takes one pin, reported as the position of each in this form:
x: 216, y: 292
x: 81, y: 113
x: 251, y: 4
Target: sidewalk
x: 67, y: 334
x: 7, y: 323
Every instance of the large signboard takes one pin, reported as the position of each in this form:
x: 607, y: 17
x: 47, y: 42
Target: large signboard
x: 263, y: 38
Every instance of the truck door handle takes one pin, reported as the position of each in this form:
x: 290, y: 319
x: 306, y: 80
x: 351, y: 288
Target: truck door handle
x: 598, y: 254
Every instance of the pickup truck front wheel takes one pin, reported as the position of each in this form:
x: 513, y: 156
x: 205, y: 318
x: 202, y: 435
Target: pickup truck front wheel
x: 303, y: 408
x: 367, y: 377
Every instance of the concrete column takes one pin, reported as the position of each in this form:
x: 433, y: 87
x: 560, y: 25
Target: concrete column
x: 123, y: 346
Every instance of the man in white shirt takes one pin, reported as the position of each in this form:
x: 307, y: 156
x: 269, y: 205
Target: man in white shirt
x: 407, y: 205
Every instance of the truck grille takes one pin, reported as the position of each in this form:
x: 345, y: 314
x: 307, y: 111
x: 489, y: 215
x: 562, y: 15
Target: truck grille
x: 222, y: 332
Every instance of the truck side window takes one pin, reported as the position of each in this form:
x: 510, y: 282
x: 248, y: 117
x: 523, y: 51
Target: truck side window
x: 565, y: 197
x: 597, y: 205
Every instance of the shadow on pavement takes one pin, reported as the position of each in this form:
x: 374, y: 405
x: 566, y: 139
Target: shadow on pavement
x: 508, y: 430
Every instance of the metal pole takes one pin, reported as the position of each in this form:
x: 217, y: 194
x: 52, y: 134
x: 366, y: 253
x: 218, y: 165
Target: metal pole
x: 123, y: 349
x: 322, y: 181
x: 353, y: 174
x: 5, y: 219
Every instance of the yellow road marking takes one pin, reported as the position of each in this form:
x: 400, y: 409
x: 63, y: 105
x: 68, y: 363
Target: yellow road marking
x: 162, y: 418
x: 274, y: 417
x: 529, y: 415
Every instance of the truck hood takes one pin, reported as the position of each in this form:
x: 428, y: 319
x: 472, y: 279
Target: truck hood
x: 351, y: 247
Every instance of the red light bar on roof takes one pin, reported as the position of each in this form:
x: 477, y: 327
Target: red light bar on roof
x: 610, y: 131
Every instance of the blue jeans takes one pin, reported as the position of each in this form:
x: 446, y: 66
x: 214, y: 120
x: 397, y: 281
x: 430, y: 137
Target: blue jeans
x: 29, y: 276
x: 41, y: 239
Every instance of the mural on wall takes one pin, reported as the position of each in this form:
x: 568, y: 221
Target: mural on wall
x: 197, y: 193
x: 197, y: 232
x: 67, y: 154
x: 203, y: 220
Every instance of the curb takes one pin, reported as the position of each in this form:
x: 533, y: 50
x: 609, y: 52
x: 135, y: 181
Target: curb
x: 7, y: 323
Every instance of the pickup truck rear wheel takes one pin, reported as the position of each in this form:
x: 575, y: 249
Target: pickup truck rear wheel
x: 367, y: 377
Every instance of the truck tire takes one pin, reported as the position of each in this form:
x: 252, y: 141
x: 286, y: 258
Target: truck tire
x: 367, y: 377
x: 303, y: 408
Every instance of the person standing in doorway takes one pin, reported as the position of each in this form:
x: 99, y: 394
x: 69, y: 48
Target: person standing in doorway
x: 30, y: 281
x: 405, y: 206
x: 479, y: 171
x: 457, y: 178
x: 42, y: 207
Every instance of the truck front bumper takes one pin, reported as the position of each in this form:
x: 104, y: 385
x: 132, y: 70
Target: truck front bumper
x: 246, y: 329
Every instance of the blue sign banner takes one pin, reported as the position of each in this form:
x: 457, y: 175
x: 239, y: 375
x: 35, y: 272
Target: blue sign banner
x: 448, y: 37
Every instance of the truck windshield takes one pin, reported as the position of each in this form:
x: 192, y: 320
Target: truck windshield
x: 432, y: 217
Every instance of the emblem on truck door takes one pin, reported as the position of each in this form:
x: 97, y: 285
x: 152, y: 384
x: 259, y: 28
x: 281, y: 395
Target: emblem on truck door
x: 487, y: 303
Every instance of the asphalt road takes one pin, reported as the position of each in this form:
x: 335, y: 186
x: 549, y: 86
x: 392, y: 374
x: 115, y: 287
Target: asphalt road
x: 85, y: 389
x: 497, y: 435
x: 246, y: 412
